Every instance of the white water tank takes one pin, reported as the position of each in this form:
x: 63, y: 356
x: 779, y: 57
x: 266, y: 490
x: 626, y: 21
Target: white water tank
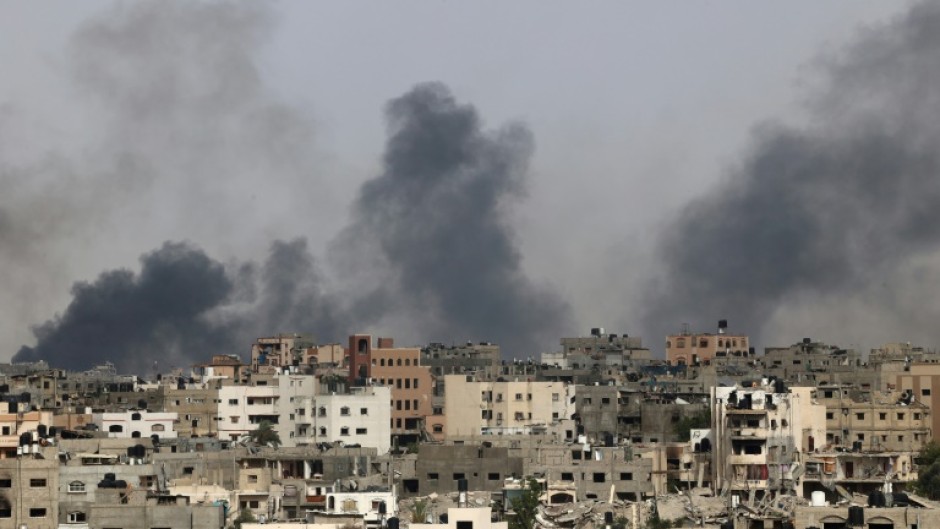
x: 818, y: 498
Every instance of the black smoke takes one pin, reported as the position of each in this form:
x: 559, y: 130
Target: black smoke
x: 430, y: 236
x: 158, y: 315
x: 826, y: 211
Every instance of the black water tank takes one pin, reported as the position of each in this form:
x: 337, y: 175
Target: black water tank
x: 392, y: 523
x: 25, y: 397
x: 706, y: 445
x: 780, y: 386
x: 142, y: 404
x: 382, y: 507
x: 443, y: 518
x: 856, y: 516
x: 462, y: 485
x: 901, y: 499
x: 25, y: 439
x: 42, y: 430
x: 110, y: 476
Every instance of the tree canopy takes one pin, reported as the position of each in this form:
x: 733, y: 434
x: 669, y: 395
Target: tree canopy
x: 265, y: 435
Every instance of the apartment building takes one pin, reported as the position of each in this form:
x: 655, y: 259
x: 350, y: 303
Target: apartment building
x: 279, y: 351
x: 400, y: 369
x: 13, y: 425
x: 283, y: 400
x: 691, y: 348
x: 496, y: 408
x: 361, y: 417
x: 582, y: 471
x: 28, y: 489
x: 885, y: 421
x: 763, y: 435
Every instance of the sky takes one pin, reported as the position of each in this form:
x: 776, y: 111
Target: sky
x: 279, y: 152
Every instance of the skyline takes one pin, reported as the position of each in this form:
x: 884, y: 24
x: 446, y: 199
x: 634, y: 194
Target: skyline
x: 569, y: 225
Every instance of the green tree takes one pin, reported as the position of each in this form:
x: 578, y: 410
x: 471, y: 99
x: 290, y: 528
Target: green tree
x: 685, y: 425
x: 525, y: 506
x: 928, y: 475
x: 265, y: 435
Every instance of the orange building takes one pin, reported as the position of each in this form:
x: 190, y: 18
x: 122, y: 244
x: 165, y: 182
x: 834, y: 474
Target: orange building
x: 400, y: 369
x: 699, y: 348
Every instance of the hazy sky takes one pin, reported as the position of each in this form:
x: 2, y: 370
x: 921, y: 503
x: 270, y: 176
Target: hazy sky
x: 634, y: 109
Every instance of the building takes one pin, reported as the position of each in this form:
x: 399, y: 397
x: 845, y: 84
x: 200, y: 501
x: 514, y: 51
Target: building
x: 762, y: 436
x: 463, y: 517
x: 361, y: 417
x: 137, y: 424
x: 400, y: 369
x: 279, y: 351
x: 496, y: 408
x: 700, y: 348
x: 439, y: 468
x: 28, y: 489
x: 600, y: 350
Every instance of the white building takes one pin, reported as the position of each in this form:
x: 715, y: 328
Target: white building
x: 362, y: 417
x: 137, y: 423
x: 284, y: 401
x: 367, y: 504
x: 465, y: 517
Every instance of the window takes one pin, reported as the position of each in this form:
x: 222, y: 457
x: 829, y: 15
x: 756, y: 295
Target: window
x: 76, y: 517
x: 187, y: 471
x: 860, y: 416
x: 363, y: 411
x: 925, y: 392
x: 567, y: 476
x: 605, y: 400
x: 344, y: 411
x: 861, y: 437
x: 252, y: 478
x: 323, y: 431
x: 407, y: 383
x: 492, y: 476
x: 157, y: 428
x: 829, y: 416
x: 518, y: 396
x: 6, y: 430
x: 361, y: 431
x: 459, y: 475
x: 115, y: 428
x: 76, y: 486
x: 6, y: 483
x: 882, y: 416
x: 626, y: 476
x: 900, y: 416
x: 37, y: 482
x: 415, y: 384
x: 587, y: 400
x: 438, y: 428
x: 433, y: 476
x: 37, y: 513
x: 916, y: 416
x: 555, y: 397
x: 233, y: 402
x: 599, y: 477
x: 466, y: 524
x: 344, y: 431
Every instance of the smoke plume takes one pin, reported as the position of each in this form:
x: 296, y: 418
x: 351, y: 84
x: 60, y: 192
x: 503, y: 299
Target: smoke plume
x: 818, y: 217
x: 432, y: 231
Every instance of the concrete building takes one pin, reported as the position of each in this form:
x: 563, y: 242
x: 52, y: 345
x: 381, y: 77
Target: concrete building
x: 465, y: 518
x: 400, y: 369
x: 279, y: 351
x: 137, y: 424
x: 808, y: 361
x: 13, y: 424
x: 368, y: 504
x: 196, y: 406
x: 496, y: 408
x: 222, y: 366
x: 885, y: 421
x: 600, y: 350
x: 687, y: 347
x: 918, y: 379
x: 762, y: 435
x: 582, y: 471
x: 440, y: 467
x: 360, y: 417
x: 28, y: 490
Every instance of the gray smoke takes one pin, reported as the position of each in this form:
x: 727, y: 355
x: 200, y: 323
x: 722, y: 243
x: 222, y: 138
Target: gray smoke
x: 819, y: 217
x: 430, y: 242
x: 161, y: 128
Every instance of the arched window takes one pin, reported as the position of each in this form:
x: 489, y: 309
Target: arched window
x: 135, y: 434
x: 363, y: 345
x: 135, y: 416
x: 399, y: 361
x: 407, y: 361
x: 76, y: 517
x: 157, y: 428
x: 323, y: 431
x: 76, y: 486
x: 438, y: 428
x: 382, y: 362
x: 115, y: 428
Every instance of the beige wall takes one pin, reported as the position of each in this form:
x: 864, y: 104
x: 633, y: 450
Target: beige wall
x: 473, y: 406
x: 410, y: 383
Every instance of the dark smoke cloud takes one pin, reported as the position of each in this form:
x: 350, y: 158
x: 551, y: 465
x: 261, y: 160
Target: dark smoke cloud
x: 137, y: 319
x: 830, y: 209
x: 183, y: 307
x: 433, y: 229
x: 161, y: 129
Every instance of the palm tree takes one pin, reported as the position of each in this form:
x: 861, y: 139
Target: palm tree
x: 265, y: 435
